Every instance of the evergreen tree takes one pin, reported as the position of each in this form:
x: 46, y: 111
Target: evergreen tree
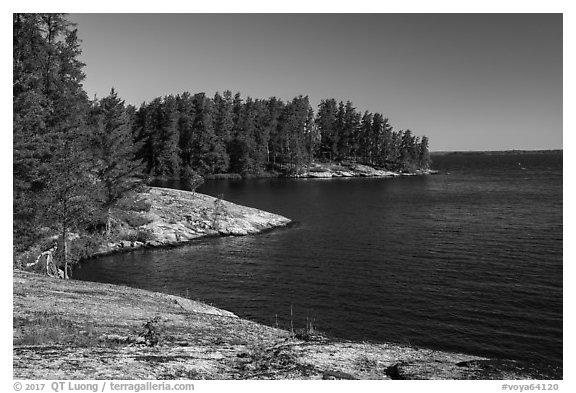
x: 313, y: 137
x: 223, y: 117
x: 48, y: 99
x: 348, y: 126
x: 407, y: 144
x: 243, y: 142
x: 186, y: 114
x: 161, y: 128
x: 68, y: 194
x: 393, y: 158
x: 142, y: 131
x: 340, y: 131
x: 365, y: 138
x: 376, y: 136
x: 113, y: 152
x: 386, y: 144
x: 293, y: 126
x: 208, y: 151
x: 261, y: 135
x: 326, y: 123
x: 424, y: 154
x: 275, y: 109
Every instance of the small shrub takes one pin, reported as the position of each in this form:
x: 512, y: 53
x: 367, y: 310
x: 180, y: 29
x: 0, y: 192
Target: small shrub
x: 128, y: 235
x: 144, y: 235
x: 151, y: 332
x: 192, y: 179
x: 309, y: 333
x: 137, y: 220
x: 134, y: 203
x: 132, y: 218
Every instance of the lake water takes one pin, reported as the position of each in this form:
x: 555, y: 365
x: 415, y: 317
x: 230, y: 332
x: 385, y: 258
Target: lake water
x: 469, y: 260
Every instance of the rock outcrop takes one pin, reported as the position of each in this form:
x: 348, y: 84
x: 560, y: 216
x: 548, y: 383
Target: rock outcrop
x: 327, y: 171
x: 178, y: 216
x: 83, y: 330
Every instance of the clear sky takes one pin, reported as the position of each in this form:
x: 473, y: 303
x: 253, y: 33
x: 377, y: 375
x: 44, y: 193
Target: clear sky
x: 467, y: 81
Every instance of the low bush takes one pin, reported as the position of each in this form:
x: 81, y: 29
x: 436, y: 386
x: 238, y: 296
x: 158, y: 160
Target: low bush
x: 140, y: 235
x: 134, y: 203
x: 132, y: 218
x: 137, y: 220
x: 144, y: 235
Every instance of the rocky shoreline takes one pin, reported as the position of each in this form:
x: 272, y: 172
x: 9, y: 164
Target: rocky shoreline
x: 332, y: 170
x: 67, y: 329
x: 178, y: 217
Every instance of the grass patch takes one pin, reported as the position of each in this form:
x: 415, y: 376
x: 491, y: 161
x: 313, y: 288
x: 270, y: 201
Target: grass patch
x: 47, y: 329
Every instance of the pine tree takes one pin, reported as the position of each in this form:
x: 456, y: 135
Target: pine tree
x: 243, y: 142
x: 376, y: 136
x: 348, y: 125
x: 113, y: 152
x: 48, y: 100
x: 223, y: 117
x: 293, y: 128
x: 326, y: 123
x: 275, y: 109
x: 186, y: 114
x: 68, y: 194
x: 423, y: 154
x: 339, y: 145
x: 208, y: 152
x: 386, y: 144
x: 365, y: 138
x: 312, y: 134
x: 407, y: 150
x: 161, y: 130
x: 394, y: 155
x: 261, y: 135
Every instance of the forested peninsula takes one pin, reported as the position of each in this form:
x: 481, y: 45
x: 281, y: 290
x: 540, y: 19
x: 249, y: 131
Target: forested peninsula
x: 81, y: 165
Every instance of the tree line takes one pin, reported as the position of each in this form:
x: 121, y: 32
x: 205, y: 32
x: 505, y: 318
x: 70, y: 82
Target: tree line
x: 227, y: 134
x: 75, y: 158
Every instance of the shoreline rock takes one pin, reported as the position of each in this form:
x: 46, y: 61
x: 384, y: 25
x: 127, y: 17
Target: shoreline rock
x: 78, y: 330
x: 328, y: 171
x: 179, y: 217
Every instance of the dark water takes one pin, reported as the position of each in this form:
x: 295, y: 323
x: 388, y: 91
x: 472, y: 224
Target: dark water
x: 469, y: 261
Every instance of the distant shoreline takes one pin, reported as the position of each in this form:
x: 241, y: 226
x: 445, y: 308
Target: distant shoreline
x: 324, y: 170
x: 496, y: 152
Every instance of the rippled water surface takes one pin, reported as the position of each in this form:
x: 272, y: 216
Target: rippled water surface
x: 468, y: 260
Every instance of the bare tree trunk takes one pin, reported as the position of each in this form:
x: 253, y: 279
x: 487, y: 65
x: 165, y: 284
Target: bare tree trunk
x: 108, y: 223
x: 65, y: 252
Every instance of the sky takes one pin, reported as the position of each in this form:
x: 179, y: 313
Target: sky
x: 467, y: 81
